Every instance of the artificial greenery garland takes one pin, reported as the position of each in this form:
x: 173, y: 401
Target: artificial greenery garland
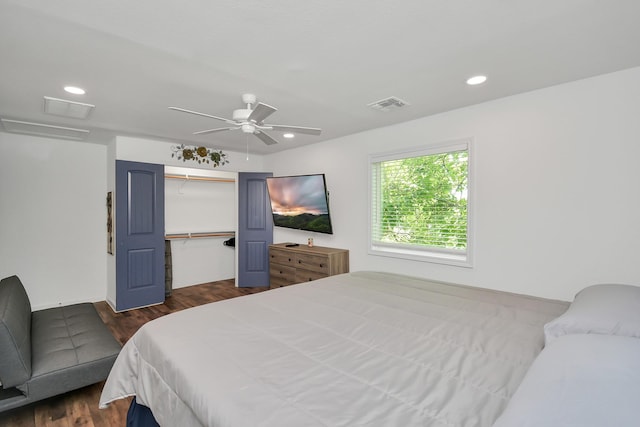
x: 199, y: 154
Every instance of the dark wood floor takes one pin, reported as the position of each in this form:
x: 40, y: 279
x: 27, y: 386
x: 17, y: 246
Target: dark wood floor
x: 80, y: 407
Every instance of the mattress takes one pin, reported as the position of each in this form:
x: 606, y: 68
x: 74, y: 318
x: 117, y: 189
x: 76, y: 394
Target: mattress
x: 357, y: 349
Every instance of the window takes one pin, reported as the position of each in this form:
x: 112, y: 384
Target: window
x: 420, y: 204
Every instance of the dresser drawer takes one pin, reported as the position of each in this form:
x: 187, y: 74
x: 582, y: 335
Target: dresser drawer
x: 311, y: 262
x: 281, y: 273
x: 278, y: 282
x: 281, y: 257
x: 307, y: 275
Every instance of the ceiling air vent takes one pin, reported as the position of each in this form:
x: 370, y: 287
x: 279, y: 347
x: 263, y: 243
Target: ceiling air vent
x: 40, y: 129
x: 62, y: 107
x: 388, y: 104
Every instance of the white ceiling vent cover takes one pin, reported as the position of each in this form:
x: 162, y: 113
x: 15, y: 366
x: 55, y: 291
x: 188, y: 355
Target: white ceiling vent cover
x: 388, y: 104
x: 39, y: 129
x: 62, y: 107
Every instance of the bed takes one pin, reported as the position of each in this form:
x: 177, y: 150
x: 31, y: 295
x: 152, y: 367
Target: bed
x: 357, y: 349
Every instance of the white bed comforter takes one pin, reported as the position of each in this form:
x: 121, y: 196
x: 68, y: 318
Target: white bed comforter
x: 359, y: 349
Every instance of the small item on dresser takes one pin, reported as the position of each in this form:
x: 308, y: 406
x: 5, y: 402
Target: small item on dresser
x: 291, y: 245
x: 310, y: 242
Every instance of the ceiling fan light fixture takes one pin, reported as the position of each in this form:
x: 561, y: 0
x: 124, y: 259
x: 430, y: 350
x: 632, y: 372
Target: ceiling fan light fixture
x: 246, y: 128
x: 288, y: 135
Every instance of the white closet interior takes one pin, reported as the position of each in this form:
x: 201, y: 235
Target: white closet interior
x: 200, y: 214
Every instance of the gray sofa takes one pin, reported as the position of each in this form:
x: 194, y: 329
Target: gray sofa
x: 48, y: 352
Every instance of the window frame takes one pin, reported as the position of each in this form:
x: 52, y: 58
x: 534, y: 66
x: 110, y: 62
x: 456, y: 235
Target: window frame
x: 452, y: 257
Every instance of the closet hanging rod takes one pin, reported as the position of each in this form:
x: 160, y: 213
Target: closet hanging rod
x: 199, y: 235
x: 198, y: 178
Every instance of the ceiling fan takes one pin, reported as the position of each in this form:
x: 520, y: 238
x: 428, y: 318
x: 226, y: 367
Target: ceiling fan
x: 251, y: 120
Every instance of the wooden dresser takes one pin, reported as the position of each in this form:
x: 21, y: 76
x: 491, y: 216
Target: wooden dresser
x: 296, y: 264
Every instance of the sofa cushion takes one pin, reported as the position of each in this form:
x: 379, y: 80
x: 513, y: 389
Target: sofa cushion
x: 72, y: 348
x: 15, y: 333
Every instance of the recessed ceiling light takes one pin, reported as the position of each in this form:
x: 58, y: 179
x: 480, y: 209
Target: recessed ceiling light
x: 74, y: 90
x: 476, y: 80
x: 288, y: 135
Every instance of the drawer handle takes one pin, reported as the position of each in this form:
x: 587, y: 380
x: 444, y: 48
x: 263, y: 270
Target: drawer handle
x: 310, y: 279
x: 289, y: 259
x: 321, y: 266
x: 299, y: 262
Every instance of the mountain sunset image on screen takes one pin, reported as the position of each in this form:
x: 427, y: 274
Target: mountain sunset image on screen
x: 300, y: 202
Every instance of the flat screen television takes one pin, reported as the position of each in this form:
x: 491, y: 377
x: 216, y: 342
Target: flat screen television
x: 300, y: 202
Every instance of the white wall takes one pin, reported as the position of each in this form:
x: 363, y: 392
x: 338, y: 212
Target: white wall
x: 154, y: 151
x: 111, y: 259
x: 556, y: 183
x: 193, y: 206
x: 53, y: 218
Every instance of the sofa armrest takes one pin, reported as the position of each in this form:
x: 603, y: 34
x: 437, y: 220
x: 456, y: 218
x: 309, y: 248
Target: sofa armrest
x: 15, y: 333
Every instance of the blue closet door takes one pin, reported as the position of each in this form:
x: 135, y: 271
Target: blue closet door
x: 139, y: 234
x: 255, y: 230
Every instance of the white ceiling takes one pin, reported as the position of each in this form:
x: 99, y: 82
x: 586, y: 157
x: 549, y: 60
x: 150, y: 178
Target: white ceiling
x: 320, y: 62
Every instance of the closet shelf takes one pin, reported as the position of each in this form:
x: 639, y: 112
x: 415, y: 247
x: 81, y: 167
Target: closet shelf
x: 200, y: 235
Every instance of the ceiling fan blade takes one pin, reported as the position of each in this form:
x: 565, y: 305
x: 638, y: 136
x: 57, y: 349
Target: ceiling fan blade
x: 261, y: 112
x: 265, y: 138
x: 204, y: 132
x: 295, y: 129
x: 202, y: 114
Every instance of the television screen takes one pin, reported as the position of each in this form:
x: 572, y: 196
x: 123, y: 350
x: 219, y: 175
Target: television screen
x: 300, y: 202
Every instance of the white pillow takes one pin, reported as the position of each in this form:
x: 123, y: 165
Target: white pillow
x: 600, y: 309
x: 579, y: 381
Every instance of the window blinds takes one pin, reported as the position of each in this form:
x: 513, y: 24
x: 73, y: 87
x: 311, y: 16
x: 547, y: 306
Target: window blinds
x: 419, y: 200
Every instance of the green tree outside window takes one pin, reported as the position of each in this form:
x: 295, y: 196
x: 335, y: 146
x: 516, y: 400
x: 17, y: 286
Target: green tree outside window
x: 421, y: 201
